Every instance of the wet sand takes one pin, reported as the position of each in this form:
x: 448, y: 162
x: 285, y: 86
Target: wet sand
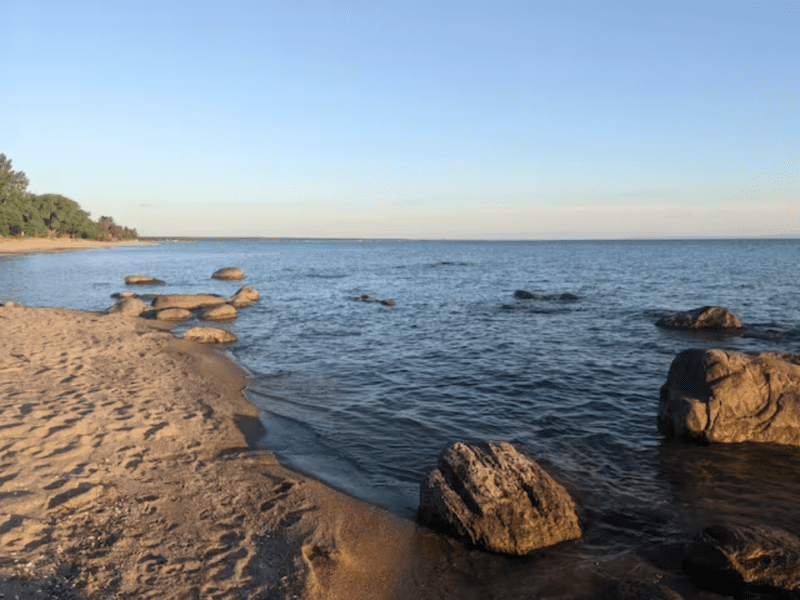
x: 30, y: 245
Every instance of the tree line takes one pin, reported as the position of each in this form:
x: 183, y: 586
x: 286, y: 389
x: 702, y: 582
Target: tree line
x: 23, y: 213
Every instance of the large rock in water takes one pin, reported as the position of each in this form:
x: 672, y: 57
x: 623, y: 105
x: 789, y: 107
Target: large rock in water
x: 729, y: 556
x: 727, y: 396
x: 228, y: 273
x: 209, y: 335
x: 173, y: 314
x: 131, y: 307
x: 142, y: 280
x: 244, y: 297
x: 187, y: 301
x: 705, y: 317
x: 493, y: 497
x: 218, y: 313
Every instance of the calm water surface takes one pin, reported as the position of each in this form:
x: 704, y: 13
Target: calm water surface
x: 364, y: 396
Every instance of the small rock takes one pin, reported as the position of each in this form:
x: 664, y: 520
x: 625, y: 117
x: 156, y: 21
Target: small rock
x: 173, y: 314
x: 218, y: 313
x: 567, y: 296
x: 493, y: 497
x: 245, y: 296
x: 365, y: 298
x: 526, y: 295
x: 228, y: 273
x: 388, y: 302
x: 131, y: 307
x: 209, y: 335
x: 187, y: 301
x: 705, y: 317
x: 142, y: 280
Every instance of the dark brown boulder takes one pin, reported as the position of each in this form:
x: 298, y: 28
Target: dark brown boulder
x: 727, y: 556
x: 228, y: 273
x: 728, y: 396
x: 492, y: 497
x: 388, y: 302
x: 705, y: 317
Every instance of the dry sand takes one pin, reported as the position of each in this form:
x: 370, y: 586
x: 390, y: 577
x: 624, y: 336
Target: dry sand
x: 25, y: 245
x: 125, y: 473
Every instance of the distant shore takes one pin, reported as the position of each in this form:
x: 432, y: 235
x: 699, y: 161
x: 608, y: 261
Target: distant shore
x: 32, y: 245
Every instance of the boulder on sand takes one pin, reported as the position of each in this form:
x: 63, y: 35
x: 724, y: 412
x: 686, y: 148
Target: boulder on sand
x: 228, y: 273
x: 728, y: 396
x: 492, y: 497
x: 209, y: 335
x: 218, y: 313
x: 131, y: 307
x: 705, y: 317
x: 173, y: 314
x: 187, y: 301
x: 727, y: 557
x: 142, y: 280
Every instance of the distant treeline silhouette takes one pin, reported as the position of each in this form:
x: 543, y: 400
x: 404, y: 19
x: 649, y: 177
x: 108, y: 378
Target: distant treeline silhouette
x: 23, y: 213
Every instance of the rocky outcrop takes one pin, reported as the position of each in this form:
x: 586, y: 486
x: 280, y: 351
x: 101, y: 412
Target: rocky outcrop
x: 142, y: 280
x: 228, y: 273
x: 492, y: 497
x: 218, y: 313
x: 173, y: 314
x: 245, y: 296
x: 131, y: 307
x: 726, y: 557
x: 209, y: 335
x: 705, y: 317
x: 728, y: 396
x: 187, y: 301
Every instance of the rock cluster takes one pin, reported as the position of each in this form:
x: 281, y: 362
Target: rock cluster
x: 491, y: 496
x: 705, y: 317
x: 728, y: 396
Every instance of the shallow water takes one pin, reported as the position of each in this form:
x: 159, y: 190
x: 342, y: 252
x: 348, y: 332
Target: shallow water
x: 364, y: 396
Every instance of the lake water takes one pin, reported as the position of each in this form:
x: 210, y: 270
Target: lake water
x: 365, y: 396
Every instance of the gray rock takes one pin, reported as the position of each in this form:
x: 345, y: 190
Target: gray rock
x: 142, y: 280
x: 131, y: 307
x: 173, y: 314
x: 209, y: 335
x: 187, y: 301
x: 218, y: 313
x: 758, y: 556
x: 728, y: 396
x: 228, y: 273
x: 491, y: 496
x: 705, y: 317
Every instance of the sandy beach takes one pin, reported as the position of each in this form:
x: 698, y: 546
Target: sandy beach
x: 125, y: 473
x: 29, y: 245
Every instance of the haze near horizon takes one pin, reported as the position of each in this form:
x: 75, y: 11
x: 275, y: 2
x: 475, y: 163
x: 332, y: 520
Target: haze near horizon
x: 479, y: 120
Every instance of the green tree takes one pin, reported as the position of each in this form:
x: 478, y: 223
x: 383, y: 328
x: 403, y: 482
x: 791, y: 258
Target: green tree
x: 13, y: 194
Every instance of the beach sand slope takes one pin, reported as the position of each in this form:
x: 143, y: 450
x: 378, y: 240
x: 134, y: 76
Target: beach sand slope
x: 125, y: 472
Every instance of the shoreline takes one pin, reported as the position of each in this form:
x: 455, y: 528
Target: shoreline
x: 31, y: 245
x: 125, y: 471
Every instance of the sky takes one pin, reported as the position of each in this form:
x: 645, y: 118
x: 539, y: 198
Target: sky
x: 499, y: 119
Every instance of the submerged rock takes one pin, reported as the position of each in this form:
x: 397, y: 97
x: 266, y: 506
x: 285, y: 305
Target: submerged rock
x: 568, y: 296
x: 365, y: 298
x: 705, y: 317
x: 491, y: 496
x: 218, y: 313
x: 209, y: 335
x: 187, y: 301
x: 142, y: 280
x: 228, y: 273
x: 131, y: 307
x: 727, y: 556
x: 526, y: 295
x: 728, y: 396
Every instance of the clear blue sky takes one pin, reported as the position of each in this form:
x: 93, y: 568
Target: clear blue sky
x: 430, y: 119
